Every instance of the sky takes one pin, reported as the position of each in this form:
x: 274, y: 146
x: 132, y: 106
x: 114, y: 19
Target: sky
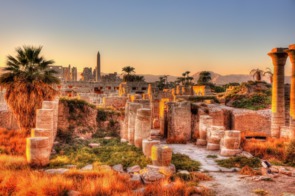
x: 154, y: 36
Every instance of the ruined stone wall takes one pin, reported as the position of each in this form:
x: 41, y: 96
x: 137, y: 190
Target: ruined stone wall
x: 81, y: 121
x: 115, y: 102
x: 221, y: 115
x: 248, y: 120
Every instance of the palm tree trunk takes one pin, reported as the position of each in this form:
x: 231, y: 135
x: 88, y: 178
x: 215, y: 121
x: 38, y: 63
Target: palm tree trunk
x: 291, y: 53
x: 279, y: 58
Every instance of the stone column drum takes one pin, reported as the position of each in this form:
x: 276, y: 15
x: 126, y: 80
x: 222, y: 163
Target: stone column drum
x: 279, y: 57
x: 45, y: 120
x: 230, y: 143
x: 291, y: 54
x: 37, y: 151
x: 133, y: 107
x: 54, y: 106
x: 214, y: 135
x: 147, y: 145
x: 161, y: 155
x: 142, y: 126
x: 205, y: 122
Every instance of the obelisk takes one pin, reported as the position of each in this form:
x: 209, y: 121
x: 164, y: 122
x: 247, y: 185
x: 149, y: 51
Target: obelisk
x: 98, y: 68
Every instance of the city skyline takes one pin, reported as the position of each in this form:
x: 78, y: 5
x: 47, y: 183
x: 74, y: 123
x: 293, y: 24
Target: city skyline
x: 155, y: 37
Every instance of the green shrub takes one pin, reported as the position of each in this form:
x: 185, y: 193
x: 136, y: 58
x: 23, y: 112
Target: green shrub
x: 239, y: 162
x: 183, y: 162
x: 110, y: 152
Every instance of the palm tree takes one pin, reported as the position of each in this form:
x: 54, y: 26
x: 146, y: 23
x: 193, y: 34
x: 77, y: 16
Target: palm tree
x: 28, y: 81
x: 257, y: 74
x: 269, y: 73
x: 128, y: 70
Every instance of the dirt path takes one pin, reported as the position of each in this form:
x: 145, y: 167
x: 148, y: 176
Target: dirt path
x: 228, y: 182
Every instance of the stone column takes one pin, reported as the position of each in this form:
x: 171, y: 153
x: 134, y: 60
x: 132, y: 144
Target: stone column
x: 291, y: 53
x: 142, y: 126
x: 162, y: 109
x: 279, y: 58
x: 124, y: 130
x: 179, y: 122
x: 54, y: 106
x: 205, y: 122
x: 133, y: 107
x: 45, y: 120
x: 37, y: 151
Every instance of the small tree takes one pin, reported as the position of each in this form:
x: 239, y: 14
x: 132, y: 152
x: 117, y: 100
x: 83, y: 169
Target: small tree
x: 204, y: 78
x: 257, y: 74
x: 269, y: 73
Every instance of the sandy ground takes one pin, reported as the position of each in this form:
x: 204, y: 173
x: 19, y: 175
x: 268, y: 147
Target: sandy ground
x: 228, y: 183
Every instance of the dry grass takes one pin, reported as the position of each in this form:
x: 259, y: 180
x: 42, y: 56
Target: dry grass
x: 271, y: 149
x: 16, y: 178
x: 12, y: 142
x: 246, y: 170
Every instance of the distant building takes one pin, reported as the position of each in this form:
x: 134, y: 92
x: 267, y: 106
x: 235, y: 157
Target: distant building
x: 74, y: 74
x: 97, y: 74
x: 65, y: 73
x: 87, y: 74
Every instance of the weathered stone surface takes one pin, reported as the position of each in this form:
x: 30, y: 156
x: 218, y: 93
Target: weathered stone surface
x: 115, y: 102
x: 147, y: 145
x: 124, y: 130
x: 230, y: 143
x: 118, y: 168
x: 142, y: 126
x: 56, y: 171
x: 133, y: 169
x: 87, y: 167
x: 247, y: 120
x: 179, y: 121
x: 151, y: 175
x: 161, y: 155
x: 38, y: 150
x: 214, y: 135
x: 205, y: 122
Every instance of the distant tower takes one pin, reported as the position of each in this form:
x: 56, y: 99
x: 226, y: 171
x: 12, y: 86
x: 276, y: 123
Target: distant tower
x: 98, y: 67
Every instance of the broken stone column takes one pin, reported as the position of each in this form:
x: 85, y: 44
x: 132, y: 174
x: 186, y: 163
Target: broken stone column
x: 162, y: 109
x: 124, y: 131
x: 142, y: 126
x: 155, y: 113
x: 161, y: 155
x: 38, y: 150
x: 279, y: 57
x: 205, y: 122
x: 133, y: 107
x: 230, y: 143
x: 54, y: 106
x: 179, y: 122
x: 291, y: 54
x: 214, y: 135
x: 45, y: 120
x: 147, y: 145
